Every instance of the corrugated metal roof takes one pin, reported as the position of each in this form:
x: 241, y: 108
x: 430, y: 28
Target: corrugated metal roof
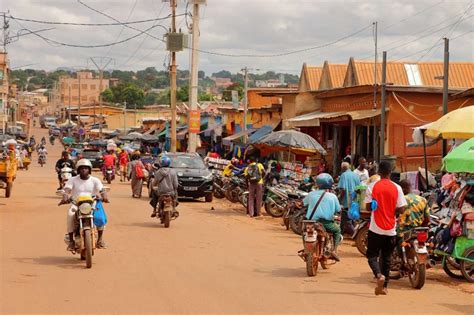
x: 337, y: 73
x: 460, y: 73
x: 313, y: 76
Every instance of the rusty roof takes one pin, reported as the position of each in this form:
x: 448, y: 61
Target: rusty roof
x: 406, y: 73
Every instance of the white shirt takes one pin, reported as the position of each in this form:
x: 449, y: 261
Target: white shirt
x: 363, y: 175
x: 78, y: 186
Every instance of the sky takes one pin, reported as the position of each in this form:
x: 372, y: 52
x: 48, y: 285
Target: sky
x: 263, y: 35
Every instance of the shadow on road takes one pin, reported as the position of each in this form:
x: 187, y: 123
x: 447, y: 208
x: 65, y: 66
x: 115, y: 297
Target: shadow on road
x: 155, y: 224
x: 283, y: 272
x: 370, y: 295
x: 58, y: 261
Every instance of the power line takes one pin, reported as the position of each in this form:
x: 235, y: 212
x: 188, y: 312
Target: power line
x: 413, y: 15
x: 123, y: 27
x: 93, y: 24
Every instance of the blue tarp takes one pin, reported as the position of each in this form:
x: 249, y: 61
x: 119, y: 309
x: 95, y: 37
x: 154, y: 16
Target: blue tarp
x: 263, y: 131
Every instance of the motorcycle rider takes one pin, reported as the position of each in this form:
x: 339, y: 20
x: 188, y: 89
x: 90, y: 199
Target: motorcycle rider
x: 43, y: 141
x: 164, y: 183
x: 109, y: 162
x: 42, y: 152
x: 64, y: 161
x: 327, y: 208
x: 229, y: 169
x: 78, y: 185
x: 417, y: 211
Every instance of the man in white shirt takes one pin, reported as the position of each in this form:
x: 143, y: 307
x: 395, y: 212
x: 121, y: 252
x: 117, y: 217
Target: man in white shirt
x: 78, y: 185
x: 381, y: 237
x: 361, y: 170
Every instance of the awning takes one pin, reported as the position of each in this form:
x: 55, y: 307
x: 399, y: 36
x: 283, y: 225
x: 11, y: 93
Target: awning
x: 211, y: 128
x: 261, y: 132
x: 313, y: 119
x: 238, y: 135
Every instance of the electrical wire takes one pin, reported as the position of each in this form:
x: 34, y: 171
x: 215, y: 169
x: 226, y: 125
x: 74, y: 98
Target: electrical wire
x: 413, y: 15
x: 94, y: 24
x: 123, y: 27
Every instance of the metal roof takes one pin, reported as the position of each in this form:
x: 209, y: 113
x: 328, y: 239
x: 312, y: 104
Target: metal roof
x: 313, y: 119
x: 337, y: 74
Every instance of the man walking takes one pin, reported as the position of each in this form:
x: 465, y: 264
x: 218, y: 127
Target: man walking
x: 361, y: 170
x: 255, y: 172
x: 381, y: 238
x: 347, y: 184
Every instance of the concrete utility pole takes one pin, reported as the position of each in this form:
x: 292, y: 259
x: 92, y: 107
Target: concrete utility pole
x: 246, y: 86
x: 194, y: 80
x: 173, y: 80
x: 79, y: 103
x: 101, y: 76
x: 375, y: 65
x: 69, y: 110
x: 124, y: 117
x: 382, y: 111
x: 445, y: 86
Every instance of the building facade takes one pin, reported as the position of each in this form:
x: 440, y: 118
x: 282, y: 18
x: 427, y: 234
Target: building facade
x: 84, y: 89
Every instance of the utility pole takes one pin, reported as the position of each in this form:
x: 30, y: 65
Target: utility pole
x: 375, y: 65
x: 69, y: 111
x: 194, y: 80
x: 445, y: 87
x: 79, y: 103
x: 384, y: 100
x: 246, y: 86
x: 101, y: 76
x: 5, y: 32
x: 124, y: 117
x: 173, y: 80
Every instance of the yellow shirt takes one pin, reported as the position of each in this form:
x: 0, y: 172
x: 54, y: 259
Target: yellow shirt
x: 260, y: 168
x: 228, y: 170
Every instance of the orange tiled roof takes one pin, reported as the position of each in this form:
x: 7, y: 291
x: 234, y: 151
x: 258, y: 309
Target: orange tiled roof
x: 312, y: 76
x: 337, y: 73
x: 407, y: 73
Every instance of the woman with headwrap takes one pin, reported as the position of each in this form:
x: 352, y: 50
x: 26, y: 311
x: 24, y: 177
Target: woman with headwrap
x: 136, y: 174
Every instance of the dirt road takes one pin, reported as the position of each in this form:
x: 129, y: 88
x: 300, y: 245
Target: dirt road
x: 212, y: 260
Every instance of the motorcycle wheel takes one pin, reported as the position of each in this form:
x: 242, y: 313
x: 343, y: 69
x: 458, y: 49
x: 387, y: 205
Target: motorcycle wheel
x: 467, y: 267
x: 296, y: 223
x: 361, y: 240
x: 219, y: 193
x: 312, y: 262
x: 449, y: 266
x: 167, y: 219
x: 272, y: 209
x: 418, y: 276
x: 232, y: 195
x: 88, y: 248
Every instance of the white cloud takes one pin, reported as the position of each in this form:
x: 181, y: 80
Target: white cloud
x: 243, y: 27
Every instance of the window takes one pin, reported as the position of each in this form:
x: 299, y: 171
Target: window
x: 93, y: 86
x: 84, y: 86
x: 83, y: 98
x: 74, y: 98
x: 91, y: 98
x: 413, y: 74
x: 75, y: 86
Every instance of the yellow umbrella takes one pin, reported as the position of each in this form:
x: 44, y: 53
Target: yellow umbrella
x: 458, y: 124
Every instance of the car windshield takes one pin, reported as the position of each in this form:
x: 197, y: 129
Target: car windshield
x: 186, y: 161
x: 91, y: 153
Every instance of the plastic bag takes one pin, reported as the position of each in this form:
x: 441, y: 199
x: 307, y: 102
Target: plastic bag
x: 100, y: 218
x: 354, y: 213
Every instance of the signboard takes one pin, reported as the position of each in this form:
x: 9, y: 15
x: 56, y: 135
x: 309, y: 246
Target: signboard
x: 235, y: 98
x: 194, y: 121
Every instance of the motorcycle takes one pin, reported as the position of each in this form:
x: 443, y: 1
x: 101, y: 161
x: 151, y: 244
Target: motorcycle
x: 276, y: 201
x: 236, y: 186
x: 318, y: 246
x: 66, y: 174
x: 219, y: 184
x: 361, y: 229
x: 167, y: 210
x: 84, y: 232
x: 411, y: 258
x: 42, y: 159
x: 295, y: 212
x: 109, y: 174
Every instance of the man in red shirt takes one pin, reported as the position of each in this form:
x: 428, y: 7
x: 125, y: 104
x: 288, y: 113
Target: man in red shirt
x: 109, y: 162
x: 381, y: 238
x: 123, y: 161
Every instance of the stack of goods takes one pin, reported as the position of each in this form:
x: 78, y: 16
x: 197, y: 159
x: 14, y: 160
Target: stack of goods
x: 219, y: 164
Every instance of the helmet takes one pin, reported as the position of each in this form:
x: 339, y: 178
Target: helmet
x: 84, y: 162
x: 165, y: 161
x: 324, y: 181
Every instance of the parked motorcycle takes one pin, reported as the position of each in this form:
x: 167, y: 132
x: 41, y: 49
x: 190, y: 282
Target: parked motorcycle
x: 84, y: 233
x: 361, y: 229
x: 276, y: 201
x: 166, y: 210
x: 219, y: 184
x: 318, y: 246
x: 410, y: 259
x: 295, y: 212
x: 235, y: 187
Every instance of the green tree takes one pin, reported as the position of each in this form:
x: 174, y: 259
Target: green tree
x: 150, y: 98
x: 108, y: 96
x: 133, y: 95
x: 227, y: 94
x: 205, y: 97
x: 183, y: 94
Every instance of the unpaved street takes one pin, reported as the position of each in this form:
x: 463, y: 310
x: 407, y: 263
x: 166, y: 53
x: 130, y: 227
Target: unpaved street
x: 213, y: 259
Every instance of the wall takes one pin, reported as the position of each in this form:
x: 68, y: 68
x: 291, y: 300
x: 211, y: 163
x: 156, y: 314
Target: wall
x: 89, y: 90
x: 257, y: 101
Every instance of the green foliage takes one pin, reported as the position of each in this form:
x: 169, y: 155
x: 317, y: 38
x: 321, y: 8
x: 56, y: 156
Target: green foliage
x: 227, y: 94
x: 183, y: 94
x: 150, y: 98
x: 205, y: 97
x: 130, y: 93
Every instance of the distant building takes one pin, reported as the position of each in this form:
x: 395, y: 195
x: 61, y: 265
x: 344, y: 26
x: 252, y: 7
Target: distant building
x: 222, y: 82
x: 272, y: 83
x: 81, y: 90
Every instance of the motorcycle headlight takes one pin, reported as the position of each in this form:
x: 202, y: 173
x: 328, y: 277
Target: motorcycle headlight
x: 85, y: 208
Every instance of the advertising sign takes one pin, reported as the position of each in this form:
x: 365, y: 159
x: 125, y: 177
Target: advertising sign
x: 194, y: 121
